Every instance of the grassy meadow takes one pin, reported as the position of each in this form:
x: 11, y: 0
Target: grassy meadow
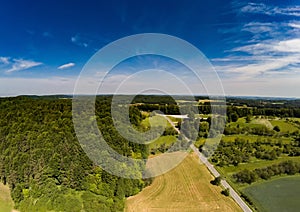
x: 276, y: 195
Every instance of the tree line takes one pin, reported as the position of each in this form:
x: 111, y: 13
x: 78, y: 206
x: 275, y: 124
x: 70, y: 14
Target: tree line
x: 241, y: 150
x: 249, y: 176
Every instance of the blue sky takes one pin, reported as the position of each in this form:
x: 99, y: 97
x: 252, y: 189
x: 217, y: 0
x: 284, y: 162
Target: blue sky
x: 253, y: 45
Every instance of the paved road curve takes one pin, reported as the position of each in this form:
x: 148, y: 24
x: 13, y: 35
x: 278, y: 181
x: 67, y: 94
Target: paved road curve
x: 214, y: 172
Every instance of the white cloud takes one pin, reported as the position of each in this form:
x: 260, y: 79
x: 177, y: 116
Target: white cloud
x: 258, y: 27
x: 4, y: 60
x: 271, y: 10
x: 272, y: 30
x: 266, y: 59
x: 271, y: 47
x: 268, y: 62
x: 255, y: 8
x: 294, y: 25
x: 68, y: 65
x: 292, y: 45
x: 260, y: 67
x: 20, y: 64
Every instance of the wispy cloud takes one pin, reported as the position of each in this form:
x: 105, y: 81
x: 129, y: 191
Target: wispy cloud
x: 21, y: 64
x: 79, y: 41
x: 4, y: 60
x: 258, y: 27
x: 65, y: 66
x: 267, y: 49
x: 262, y: 59
x: 295, y: 24
x: 271, y: 47
x: 261, y: 8
x: 271, y: 30
x: 264, y: 30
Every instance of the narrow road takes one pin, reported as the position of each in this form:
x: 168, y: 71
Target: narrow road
x: 214, y: 172
x: 224, y: 183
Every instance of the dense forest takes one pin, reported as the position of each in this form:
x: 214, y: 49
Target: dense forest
x: 46, y: 168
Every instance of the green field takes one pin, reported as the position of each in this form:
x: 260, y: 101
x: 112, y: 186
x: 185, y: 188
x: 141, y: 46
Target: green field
x: 156, y: 121
x: 281, y: 194
x: 264, y: 122
x: 6, y: 203
x: 167, y: 140
x: 284, y: 126
x: 257, y: 123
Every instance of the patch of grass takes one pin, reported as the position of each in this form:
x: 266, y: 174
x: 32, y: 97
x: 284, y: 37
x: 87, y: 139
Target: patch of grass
x: 208, y: 141
x: 264, y: 122
x: 294, y: 119
x: 185, y: 188
x: 232, y: 138
x: 167, y: 140
x: 255, y: 163
x: 199, y: 142
x: 241, y: 120
x: 255, y: 123
x: 284, y: 126
x: 173, y: 119
x: 254, y: 138
x: 281, y: 194
x: 156, y: 121
x: 6, y: 203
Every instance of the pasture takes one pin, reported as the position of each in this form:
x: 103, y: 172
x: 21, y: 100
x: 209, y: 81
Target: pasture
x: 254, y: 123
x: 284, y: 126
x: 155, y: 121
x: 281, y: 194
x: 163, y: 140
x: 185, y: 188
x: 261, y: 121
